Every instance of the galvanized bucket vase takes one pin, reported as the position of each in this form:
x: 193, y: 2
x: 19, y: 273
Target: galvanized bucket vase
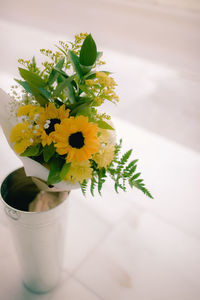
x: 38, y: 236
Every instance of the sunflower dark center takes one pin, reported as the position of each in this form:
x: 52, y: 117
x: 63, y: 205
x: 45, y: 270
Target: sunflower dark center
x: 50, y: 125
x: 76, y: 140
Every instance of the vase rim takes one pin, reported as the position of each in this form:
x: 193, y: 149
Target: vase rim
x: 24, y: 211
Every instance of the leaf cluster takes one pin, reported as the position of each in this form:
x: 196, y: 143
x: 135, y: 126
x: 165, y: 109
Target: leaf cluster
x: 55, y: 84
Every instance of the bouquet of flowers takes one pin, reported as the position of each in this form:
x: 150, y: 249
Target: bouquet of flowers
x: 58, y: 122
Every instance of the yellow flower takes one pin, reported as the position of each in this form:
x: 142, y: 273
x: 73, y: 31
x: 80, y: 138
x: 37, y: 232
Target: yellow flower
x: 98, y: 101
x: 105, y: 80
x: 77, y: 138
x: 105, y: 156
x: 79, y: 171
x: 107, y: 136
x: 22, y: 136
x: 48, y: 119
x: 29, y: 111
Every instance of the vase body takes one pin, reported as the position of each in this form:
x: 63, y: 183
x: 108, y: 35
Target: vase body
x: 39, y: 238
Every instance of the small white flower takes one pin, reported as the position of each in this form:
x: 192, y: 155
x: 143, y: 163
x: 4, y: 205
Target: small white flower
x: 31, y: 140
x: 46, y: 126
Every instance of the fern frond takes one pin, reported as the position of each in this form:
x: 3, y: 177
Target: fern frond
x: 84, y: 187
x: 139, y: 185
x: 93, y: 185
x: 123, y: 161
x: 101, y: 179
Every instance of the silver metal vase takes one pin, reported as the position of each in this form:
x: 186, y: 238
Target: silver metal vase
x: 38, y: 236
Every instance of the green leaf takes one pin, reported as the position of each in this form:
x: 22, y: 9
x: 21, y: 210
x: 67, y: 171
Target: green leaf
x: 75, y: 63
x: 39, y: 94
x: 61, y: 72
x: 104, y: 125
x: 83, y: 108
x: 48, y: 152
x: 88, y: 53
x: 135, y: 176
x: 62, y: 85
x: 54, y: 74
x: 32, y: 151
x: 64, y: 170
x: 54, y: 173
x: 71, y: 93
x: 25, y: 85
x: 32, y: 77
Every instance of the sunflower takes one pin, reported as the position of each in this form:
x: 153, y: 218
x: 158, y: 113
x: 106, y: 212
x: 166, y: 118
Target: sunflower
x: 77, y: 138
x: 79, y: 171
x: 23, y: 135
x: 48, y: 119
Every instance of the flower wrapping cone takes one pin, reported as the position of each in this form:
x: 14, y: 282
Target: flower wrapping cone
x: 32, y: 168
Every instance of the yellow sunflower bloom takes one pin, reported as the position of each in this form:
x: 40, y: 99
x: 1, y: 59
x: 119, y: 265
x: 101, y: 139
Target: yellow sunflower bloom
x: 23, y: 136
x: 77, y: 138
x: 79, y: 171
x: 48, y: 119
x: 105, y: 156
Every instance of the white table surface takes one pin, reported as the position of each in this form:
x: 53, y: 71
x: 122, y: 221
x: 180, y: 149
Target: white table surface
x: 125, y: 246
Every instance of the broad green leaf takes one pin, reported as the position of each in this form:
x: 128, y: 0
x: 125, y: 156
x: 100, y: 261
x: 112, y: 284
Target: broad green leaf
x: 32, y: 151
x: 71, y: 93
x: 61, y: 72
x: 104, y: 125
x: 53, y: 76
x: 32, y: 77
x: 39, y: 94
x: 45, y: 93
x: 54, y: 173
x: 25, y: 85
x: 48, y: 152
x: 75, y: 63
x: 62, y: 85
x: 88, y: 53
x: 64, y: 170
x: 80, y: 109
